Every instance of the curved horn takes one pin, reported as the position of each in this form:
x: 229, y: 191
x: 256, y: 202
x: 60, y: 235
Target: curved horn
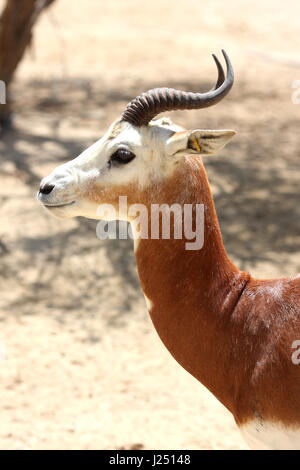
x: 146, y: 106
x: 221, y: 75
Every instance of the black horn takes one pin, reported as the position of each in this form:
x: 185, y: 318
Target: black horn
x: 146, y: 106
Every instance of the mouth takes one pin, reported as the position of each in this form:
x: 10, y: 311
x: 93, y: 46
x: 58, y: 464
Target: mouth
x: 50, y: 206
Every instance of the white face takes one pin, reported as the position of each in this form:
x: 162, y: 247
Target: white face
x: 124, y: 156
x: 125, y: 161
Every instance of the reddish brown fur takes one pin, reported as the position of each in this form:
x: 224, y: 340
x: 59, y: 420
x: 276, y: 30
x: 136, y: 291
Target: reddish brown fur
x: 230, y: 331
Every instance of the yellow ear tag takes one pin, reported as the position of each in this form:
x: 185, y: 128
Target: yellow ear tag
x: 196, y: 144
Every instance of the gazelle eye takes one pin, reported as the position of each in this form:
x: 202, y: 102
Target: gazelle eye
x: 122, y: 156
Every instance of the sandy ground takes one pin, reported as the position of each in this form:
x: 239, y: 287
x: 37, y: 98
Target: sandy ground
x: 81, y: 365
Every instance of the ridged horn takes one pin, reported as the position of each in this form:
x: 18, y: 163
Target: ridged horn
x: 146, y: 106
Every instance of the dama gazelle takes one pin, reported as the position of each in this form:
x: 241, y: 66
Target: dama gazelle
x: 232, y: 332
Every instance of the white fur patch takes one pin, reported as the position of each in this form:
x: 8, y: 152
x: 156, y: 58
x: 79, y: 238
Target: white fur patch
x: 264, y: 435
x: 136, y: 242
x: 149, y: 303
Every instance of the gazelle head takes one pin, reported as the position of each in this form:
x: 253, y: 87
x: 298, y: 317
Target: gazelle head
x: 136, y: 152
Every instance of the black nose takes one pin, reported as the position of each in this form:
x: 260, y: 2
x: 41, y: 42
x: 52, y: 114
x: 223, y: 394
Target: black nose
x: 46, y: 189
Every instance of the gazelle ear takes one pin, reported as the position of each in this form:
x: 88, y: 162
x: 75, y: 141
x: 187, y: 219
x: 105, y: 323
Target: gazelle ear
x: 203, y: 142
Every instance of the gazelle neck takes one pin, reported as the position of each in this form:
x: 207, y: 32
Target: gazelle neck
x: 193, y: 293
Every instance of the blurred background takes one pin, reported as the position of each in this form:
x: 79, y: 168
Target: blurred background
x: 81, y: 365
